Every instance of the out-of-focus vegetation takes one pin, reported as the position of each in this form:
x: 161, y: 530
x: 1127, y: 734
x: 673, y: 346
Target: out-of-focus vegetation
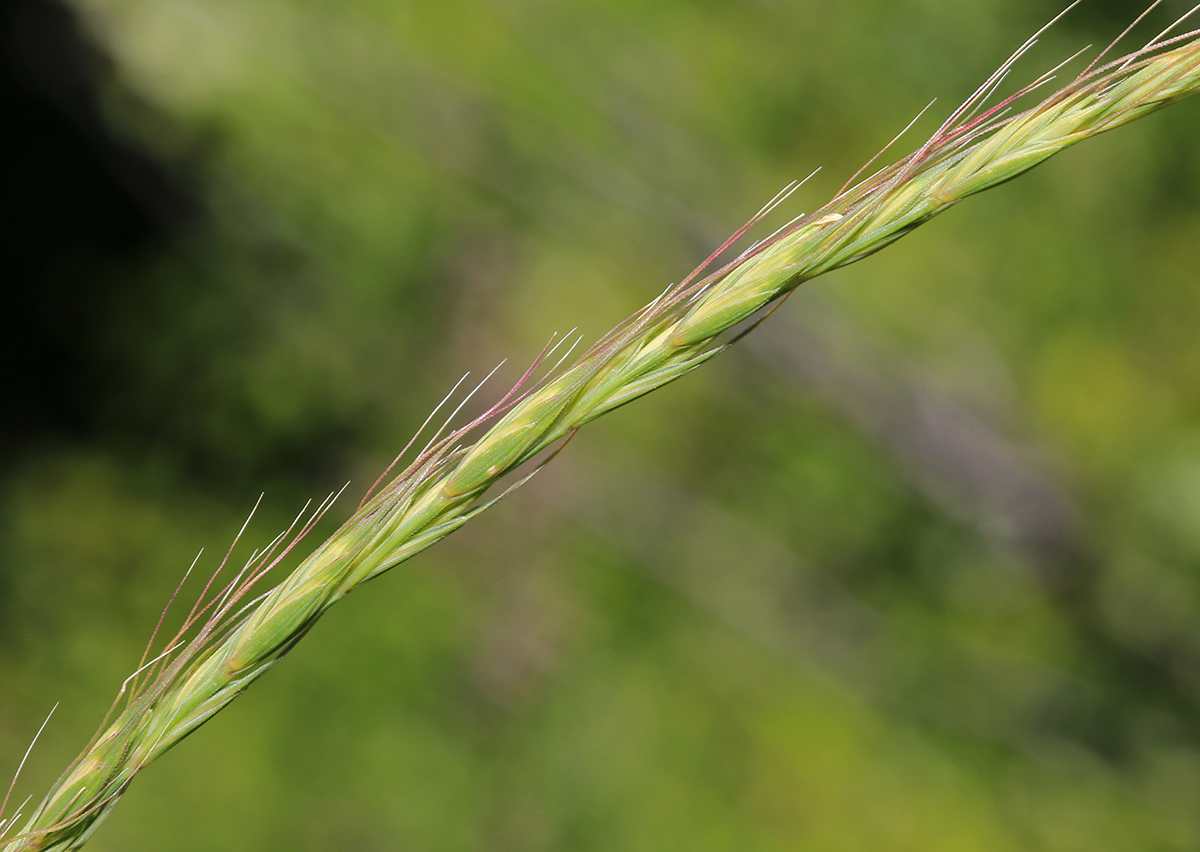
x: 913, y: 568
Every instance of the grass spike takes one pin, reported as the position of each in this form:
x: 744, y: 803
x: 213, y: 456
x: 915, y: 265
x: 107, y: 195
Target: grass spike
x: 243, y: 636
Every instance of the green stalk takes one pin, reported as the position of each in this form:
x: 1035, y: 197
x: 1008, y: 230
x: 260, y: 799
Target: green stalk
x: 235, y: 642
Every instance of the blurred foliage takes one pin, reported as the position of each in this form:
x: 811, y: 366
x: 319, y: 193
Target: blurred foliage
x: 912, y: 568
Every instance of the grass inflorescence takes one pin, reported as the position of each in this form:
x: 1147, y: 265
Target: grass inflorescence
x: 231, y: 637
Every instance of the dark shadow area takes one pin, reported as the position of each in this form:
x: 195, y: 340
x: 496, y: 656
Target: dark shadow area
x: 82, y: 202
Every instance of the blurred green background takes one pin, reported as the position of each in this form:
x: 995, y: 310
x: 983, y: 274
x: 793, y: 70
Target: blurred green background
x: 913, y: 568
